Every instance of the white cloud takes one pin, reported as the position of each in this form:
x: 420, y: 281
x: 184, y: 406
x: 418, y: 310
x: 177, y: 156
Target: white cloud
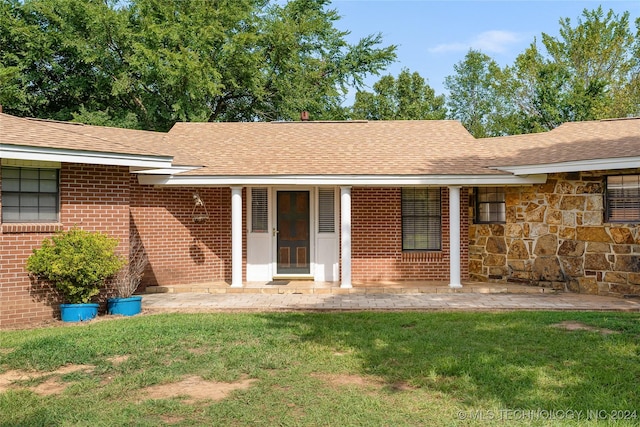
x: 489, y: 42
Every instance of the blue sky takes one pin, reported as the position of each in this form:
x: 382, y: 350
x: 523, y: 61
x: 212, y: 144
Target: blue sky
x: 432, y: 36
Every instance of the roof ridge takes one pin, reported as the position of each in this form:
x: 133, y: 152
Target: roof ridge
x: 38, y: 119
x: 278, y: 122
x: 614, y: 119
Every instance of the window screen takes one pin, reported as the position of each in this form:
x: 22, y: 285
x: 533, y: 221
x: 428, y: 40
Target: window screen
x: 623, y: 198
x: 421, y: 219
x: 29, y: 195
x: 490, y: 205
x: 326, y: 211
x: 259, y: 210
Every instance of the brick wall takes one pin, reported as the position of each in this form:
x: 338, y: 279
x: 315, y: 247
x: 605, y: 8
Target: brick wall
x: 95, y: 198
x: 181, y: 250
x: 377, y: 239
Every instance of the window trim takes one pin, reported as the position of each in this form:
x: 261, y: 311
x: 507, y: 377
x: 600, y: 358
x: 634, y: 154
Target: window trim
x: 477, y: 204
x: 20, y: 192
x: 608, y: 202
x: 429, y: 215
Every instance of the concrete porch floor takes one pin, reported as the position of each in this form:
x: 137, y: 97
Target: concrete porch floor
x: 333, y: 288
x: 328, y: 296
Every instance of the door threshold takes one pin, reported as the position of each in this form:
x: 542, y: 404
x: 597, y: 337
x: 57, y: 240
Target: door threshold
x: 293, y: 277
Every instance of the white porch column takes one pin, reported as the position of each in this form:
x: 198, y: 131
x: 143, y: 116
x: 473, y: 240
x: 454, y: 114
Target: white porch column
x: 454, y: 237
x: 236, y: 237
x: 345, y: 235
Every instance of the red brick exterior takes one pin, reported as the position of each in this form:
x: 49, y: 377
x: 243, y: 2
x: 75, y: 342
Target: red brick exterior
x: 181, y: 250
x: 377, y: 255
x: 95, y: 198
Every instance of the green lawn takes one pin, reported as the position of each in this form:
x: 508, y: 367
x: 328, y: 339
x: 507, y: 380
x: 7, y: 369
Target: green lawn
x: 341, y: 369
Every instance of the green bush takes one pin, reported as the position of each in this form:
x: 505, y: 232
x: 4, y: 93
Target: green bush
x: 76, y: 262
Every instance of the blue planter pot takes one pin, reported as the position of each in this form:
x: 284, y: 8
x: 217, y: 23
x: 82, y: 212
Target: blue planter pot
x: 125, y: 306
x: 78, y: 312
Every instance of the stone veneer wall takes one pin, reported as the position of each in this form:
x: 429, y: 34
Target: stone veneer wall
x: 555, y: 235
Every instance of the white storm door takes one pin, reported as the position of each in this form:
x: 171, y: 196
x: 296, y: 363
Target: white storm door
x: 259, y: 235
x: 327, y: 238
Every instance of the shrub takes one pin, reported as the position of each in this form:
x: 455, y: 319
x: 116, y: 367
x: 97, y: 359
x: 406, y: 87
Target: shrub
x: 129, y: 277
x: 76, y: 262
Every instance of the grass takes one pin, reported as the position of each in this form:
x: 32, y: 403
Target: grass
x: 344, y: 369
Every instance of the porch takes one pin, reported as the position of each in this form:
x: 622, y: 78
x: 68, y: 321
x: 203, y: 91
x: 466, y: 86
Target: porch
x: 333, y: 288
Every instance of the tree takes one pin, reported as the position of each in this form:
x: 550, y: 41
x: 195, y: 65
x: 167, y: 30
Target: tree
x: 408, y: 97
x: 591, y: 71
x: 588, y: 73
x: 477, y: 95
x: 175, y: 60
x: 43, y: 68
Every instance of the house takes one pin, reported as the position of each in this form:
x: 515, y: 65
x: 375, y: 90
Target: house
x: 351, y: 202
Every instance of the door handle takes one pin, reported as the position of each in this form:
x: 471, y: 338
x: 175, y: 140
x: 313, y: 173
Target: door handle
x: 275, y: 231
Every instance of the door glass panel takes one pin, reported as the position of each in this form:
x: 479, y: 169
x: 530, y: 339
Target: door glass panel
x: 293, y: 232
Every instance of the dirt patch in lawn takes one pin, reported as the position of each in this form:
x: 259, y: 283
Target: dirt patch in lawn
x: 51, y: 385
x: 195, y: 388
x: 198, y: 351
x: 571, y: 325
x: 346, y: 380
x: 118, y: 360
x: 337, y: 380
x: 171, y: 419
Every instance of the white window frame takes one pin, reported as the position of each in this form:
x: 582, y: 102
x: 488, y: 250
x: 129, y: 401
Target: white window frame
x: 434, y: 216
x: 20, y: 193
x: 622, y: 198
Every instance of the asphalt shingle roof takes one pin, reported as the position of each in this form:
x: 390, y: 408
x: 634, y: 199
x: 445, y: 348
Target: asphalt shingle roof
x: 429, y: 147
x: 75, y: 136
x: 394, y: 148
x: 569, y: 142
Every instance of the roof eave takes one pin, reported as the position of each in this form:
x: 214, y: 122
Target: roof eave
x: 352, y: 180
x: 21, y: 152
x: 164, y: 171
x: 572, y: 166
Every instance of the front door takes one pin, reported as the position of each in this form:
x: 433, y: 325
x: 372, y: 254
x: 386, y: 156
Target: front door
x: 293, y: 242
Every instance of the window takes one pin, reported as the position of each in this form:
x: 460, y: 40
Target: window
x: 421, y: 219
x: 490, y: 205
x: 326, y: 210
x: 29, y: 195
x: 259, y: 210
x: 623, y: 198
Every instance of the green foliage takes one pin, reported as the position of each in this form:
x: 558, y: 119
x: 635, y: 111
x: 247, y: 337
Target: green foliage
x: 106, y: 118
x: 76, y: 262
x: 408, y: 97
x: 164, y: 61
x: 148, y: 63
x: 589, y: 72
x: 476, y: 96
